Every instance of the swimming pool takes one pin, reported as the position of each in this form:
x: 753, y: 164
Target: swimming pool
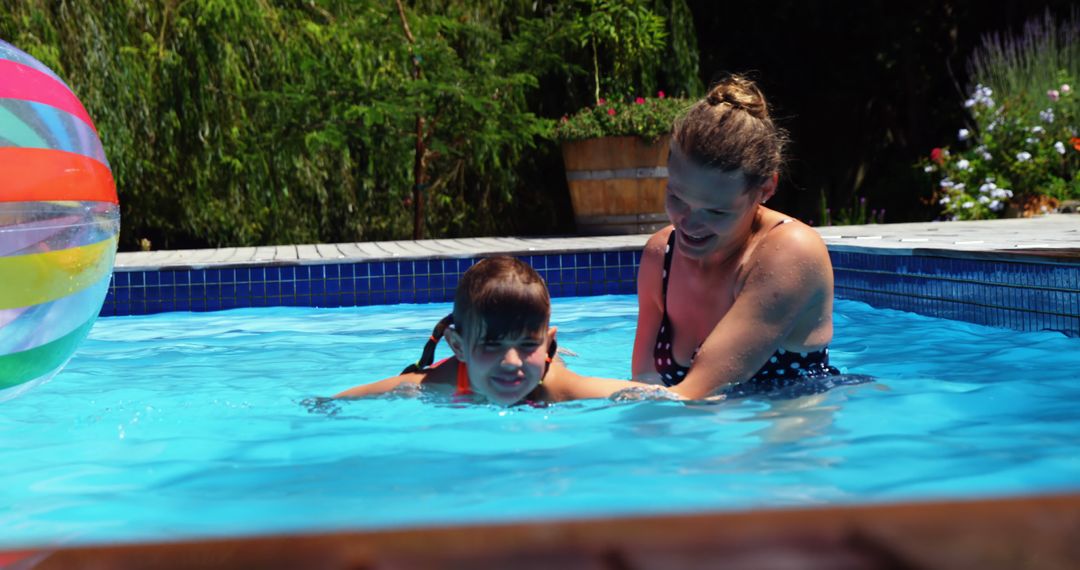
x: 185, y: 425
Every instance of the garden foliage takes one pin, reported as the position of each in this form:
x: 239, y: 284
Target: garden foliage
x: 244, y: 122
x: 1020, y: 153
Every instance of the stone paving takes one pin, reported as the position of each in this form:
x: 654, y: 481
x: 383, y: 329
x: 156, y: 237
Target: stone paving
x: 1055, y: 235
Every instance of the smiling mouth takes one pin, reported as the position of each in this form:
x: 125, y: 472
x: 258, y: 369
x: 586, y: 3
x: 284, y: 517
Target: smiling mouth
x: 693, y: 239
x: 507, y: 384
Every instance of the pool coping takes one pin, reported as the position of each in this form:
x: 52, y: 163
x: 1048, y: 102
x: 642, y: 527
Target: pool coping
x: 1053, y: 238
x: 1033, y: 532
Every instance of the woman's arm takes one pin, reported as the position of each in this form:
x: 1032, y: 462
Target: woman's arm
x: 786, y: 284
x: 650, y: 307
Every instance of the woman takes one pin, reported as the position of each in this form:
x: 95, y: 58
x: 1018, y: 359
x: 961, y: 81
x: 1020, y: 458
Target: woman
x: 733, y: 296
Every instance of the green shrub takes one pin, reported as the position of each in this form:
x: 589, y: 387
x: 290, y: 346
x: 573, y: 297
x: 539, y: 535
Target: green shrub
x: 248, y: 122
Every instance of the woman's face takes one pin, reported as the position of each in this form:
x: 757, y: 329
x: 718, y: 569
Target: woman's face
x: 507, y: 369
x: 710, y: 208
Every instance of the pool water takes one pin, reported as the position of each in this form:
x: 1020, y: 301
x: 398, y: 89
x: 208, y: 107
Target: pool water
x: 190, y: 425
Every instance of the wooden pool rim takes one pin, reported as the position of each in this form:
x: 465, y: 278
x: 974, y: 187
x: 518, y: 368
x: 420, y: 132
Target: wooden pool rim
x: 1034, y: 532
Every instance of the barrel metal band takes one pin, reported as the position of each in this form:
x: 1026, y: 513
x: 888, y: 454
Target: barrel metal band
x: 657, y: 172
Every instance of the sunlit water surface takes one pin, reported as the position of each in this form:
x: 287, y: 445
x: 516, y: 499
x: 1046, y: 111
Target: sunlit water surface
x: 194, y: 425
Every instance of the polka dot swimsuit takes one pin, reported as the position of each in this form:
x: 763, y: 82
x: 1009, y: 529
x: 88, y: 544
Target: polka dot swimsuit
x: 783, y: 368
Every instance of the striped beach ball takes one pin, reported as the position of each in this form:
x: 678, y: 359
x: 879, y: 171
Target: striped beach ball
x: 59, y: 220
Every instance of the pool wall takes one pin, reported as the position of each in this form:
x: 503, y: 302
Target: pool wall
x: 346, y: 284
x: 1007, y: 291
x: 1022, y: 292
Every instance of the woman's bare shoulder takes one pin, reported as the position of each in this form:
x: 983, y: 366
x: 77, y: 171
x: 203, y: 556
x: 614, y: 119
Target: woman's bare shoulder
x: 793, y: 250
x: 793, y: 238
x: 653, y: 253
x: 657, y: 243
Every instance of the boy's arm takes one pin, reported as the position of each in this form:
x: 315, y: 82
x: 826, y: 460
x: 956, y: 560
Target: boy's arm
x: 566, y: 385
x: 436, y: 374
x: 382, y: 386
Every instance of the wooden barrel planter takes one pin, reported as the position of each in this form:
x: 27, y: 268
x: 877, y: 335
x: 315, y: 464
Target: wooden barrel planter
x: 617, y: 184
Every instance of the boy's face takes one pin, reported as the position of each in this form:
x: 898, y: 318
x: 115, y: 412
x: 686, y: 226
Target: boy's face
x: 505, y: 370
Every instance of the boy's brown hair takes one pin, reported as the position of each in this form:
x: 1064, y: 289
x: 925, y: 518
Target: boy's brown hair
x: 501, y: 297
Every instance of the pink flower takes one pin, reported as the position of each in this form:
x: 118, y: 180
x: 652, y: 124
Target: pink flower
x: 1053, y: 94
x: 600, y: 101
x: 611, y: 111
x: 639, y: 101
x: 564, y: 119
x: 660, y: 94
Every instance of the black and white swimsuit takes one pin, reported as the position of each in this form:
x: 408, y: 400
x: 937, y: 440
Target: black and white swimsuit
x: 783, y: 369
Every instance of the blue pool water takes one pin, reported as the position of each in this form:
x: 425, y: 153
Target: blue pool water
x: 193, y: 425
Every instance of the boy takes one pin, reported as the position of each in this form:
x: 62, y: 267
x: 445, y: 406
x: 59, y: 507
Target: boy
x: 504, y: 350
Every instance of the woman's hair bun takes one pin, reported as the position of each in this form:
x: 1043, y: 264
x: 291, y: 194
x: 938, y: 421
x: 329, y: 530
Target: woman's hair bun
x: 739, y: 93
x: 730, y: 129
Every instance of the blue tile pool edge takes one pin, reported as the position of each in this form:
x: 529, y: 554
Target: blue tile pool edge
x: 350, y: 283
x: 1011, y: 291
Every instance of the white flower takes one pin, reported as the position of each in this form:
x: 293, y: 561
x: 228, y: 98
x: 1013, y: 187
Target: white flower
x: 1059, y: 147
x: 1001, y: 193
x: 987, y: 156
x: 969, y: 204
x: 944, y: 200
x: 1065, y: 89
x: 1053, y: 94
x: 995, y: 205
x: 947, y: 184
x: 963, y: 164
x: 981, y: 96
x: 988, y: 187
x: 1037, y: 130
x: 963, y: 134
x: 1031, y: 140
x: 983, y: 199
x: 959, y: 187
x: 993, y: 125
x: 1047, y: 116
x: 929, y: 168
x: 1023, y: 156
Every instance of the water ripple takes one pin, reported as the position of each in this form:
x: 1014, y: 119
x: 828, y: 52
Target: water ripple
x: 195, y: 425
